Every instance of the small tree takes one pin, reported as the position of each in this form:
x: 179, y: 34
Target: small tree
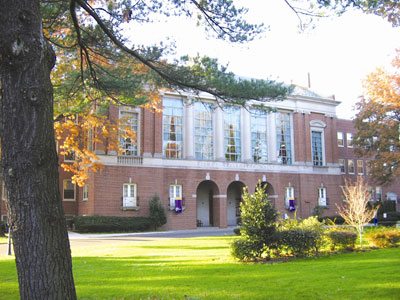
x: 258, y: 229
x: 355, y: 211
x: 157, y: 212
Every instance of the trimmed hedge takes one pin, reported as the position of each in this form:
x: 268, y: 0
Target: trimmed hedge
x: 340, y: 238
x: 111, y: 224
x: 300, y: 242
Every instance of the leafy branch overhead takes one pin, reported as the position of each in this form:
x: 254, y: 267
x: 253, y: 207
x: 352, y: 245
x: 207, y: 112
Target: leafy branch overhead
x: 95, y: 39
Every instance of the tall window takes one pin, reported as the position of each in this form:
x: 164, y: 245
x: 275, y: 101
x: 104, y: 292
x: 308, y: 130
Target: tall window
x: 129, y: 198
x: 340, y: 139
x: 316, y: 145
x: 68, y: 190
x: 289, y: 198
x: 130, y: 126
x: 360, y: 167
x: 350, y: 166
x: 85, y: 192
x: 342, y: 166
x: 283, y: 138
x: 349, y: 140
x: 232, y: 141
x: 259, y: 136
x: 203, y: 131
x: 175, y: 193
x: 322, y: 196
x: 172, y: 128
x: 378, y: 193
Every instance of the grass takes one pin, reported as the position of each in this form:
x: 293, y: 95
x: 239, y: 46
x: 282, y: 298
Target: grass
x: 202, y: 268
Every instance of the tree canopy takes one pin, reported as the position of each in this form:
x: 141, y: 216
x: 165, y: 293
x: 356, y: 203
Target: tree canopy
x: 378, y: 123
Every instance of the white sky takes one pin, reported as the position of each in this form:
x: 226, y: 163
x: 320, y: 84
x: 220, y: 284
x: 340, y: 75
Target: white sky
x: 338, y: 53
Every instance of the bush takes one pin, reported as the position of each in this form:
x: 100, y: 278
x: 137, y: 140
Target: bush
x: 338, y: 220
x: 244, y: 250
x: 384, y: 237
x: 341, y: 238
x: 299, y: 242
x: 257, y: 230
x: 391, y: 218
x: 111, y: 224
x: 236, y: 231
x: 157, y: 212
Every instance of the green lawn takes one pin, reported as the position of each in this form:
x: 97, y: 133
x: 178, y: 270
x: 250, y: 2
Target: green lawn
x: 201, y: 268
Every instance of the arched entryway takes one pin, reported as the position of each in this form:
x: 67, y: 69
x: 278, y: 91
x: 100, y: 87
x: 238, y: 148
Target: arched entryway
x: 234, y: 197
x: 207, y: 214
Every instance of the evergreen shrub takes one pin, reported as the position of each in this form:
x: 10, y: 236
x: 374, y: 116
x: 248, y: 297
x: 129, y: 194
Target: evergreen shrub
x: 157, y: 212
x: 341, y: 238
x: 111, y: 224
x: 258, y: 227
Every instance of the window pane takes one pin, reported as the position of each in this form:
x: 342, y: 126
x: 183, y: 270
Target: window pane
x: 130, y: 124
x: 232, y: 141
x: 316, y: 143
x: 259, y: 136
x: 203, y: 131
x: 283, y: 138
x: 172, y: 128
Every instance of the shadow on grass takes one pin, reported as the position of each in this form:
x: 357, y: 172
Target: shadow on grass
x: 368, y: 275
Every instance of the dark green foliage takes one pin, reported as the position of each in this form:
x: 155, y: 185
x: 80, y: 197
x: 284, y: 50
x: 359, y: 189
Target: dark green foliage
x: 258, y: 218
x: 236, y: 231
x: 391, y: 218
x: 301, y: 237
x: 341, y: 238
x: 386, y: 206
x: 299, y: 242
x: 338, y: 220
x: 111, y: 224
x: 384, y: 237
x: 157, y: 212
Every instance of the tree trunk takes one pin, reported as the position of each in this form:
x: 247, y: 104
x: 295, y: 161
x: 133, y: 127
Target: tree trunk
x: 30, y: 163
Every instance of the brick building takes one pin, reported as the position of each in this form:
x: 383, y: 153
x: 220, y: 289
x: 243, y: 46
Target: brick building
x: 198, y: 155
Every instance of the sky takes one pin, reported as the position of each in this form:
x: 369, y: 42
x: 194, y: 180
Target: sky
x: 338, y: 52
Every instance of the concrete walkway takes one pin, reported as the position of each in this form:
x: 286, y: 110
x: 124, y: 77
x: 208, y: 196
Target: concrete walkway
x: 199, y: 232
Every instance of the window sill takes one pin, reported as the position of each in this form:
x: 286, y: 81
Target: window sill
x: 130, y: 208
x: 69, y: 200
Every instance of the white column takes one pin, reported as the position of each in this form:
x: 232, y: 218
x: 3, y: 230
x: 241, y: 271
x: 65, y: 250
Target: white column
x: 272, y: 152
x: 188, y: 141
x: 246, y: 135
x: 219, y: 134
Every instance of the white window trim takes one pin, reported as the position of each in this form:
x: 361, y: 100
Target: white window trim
x: 134, y: 199
x: 354, y: 167
x: 347, y: 139
x: 318, y: 126
x: 138, y: 133
x: 344, y: 165
x: 69, y: 199
x: 85, y: 193
x: 322, y: 197
x: 337, y: 137
x: 289, y: 195
x: 174, y: 196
